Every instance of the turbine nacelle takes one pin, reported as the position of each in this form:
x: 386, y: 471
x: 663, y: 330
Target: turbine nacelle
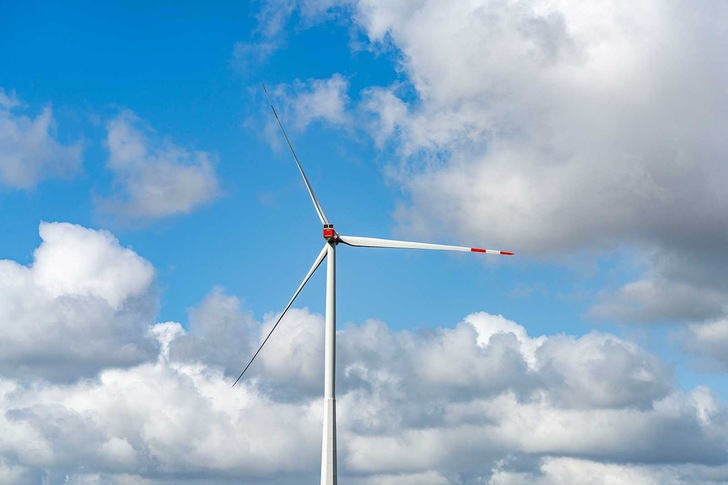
x: 329, y: 233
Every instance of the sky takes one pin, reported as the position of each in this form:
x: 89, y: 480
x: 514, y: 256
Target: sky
x: 154, y: 225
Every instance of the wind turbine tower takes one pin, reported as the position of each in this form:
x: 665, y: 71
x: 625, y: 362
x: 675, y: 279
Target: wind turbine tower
x: 332, y: 238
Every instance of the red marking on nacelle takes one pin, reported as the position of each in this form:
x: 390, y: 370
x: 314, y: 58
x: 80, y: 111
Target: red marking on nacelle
x: 329, y: 232
x: 477, y: 250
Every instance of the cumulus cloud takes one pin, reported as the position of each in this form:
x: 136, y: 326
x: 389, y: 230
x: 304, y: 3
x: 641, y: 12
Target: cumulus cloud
x: 193, y: 426
x: 91, y: 392
x: 154, y: 180
x: 592, y: 397
x: 156, y: 421
x: 82, y: 305
x: 29, y: 150
x: 216, y: 331
x: 222, y: 334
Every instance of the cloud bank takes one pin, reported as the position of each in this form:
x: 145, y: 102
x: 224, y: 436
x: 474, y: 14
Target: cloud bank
x: 481, y: 402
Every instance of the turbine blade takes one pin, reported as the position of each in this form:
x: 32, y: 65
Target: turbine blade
x: 317, y: 206
x: 316, y: 264
x: 371, y: 242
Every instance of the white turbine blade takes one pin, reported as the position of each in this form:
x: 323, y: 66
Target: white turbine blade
x: 316, y: 264
x: 371, y: 242
x: 317, y: 206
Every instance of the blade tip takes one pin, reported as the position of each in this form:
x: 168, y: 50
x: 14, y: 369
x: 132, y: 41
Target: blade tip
x: 481, y: 250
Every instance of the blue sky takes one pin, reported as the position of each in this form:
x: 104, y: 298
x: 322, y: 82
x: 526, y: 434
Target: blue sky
x: 245, y: 240
x: 587, y: 139
x: 218, y: 107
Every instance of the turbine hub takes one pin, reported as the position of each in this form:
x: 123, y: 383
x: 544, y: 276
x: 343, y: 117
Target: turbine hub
x: 330, y: 233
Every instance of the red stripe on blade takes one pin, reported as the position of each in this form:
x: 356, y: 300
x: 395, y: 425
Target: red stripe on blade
x: 507, y: 253
x: 477, y: 250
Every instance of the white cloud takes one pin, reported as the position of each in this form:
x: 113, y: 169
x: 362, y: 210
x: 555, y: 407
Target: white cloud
x: 658, y: 298
x: 83, y: 304
x: 267, y: 38
x: 193, y: 426
x: 599, y: 370
x: 314, y: 100
x: 569, y: 470
x: 13, y: 474
x: 709, y: 339
x: 29, y: 150
x: 170, y: 421
x: 272, y: 28
x: 424, y: 478
x: 219, y: 334
x: 151, y: 180
x: 480, y: 401
x: 322, y: 99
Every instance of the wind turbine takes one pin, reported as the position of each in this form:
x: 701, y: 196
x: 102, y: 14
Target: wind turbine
x: 328, y: 446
